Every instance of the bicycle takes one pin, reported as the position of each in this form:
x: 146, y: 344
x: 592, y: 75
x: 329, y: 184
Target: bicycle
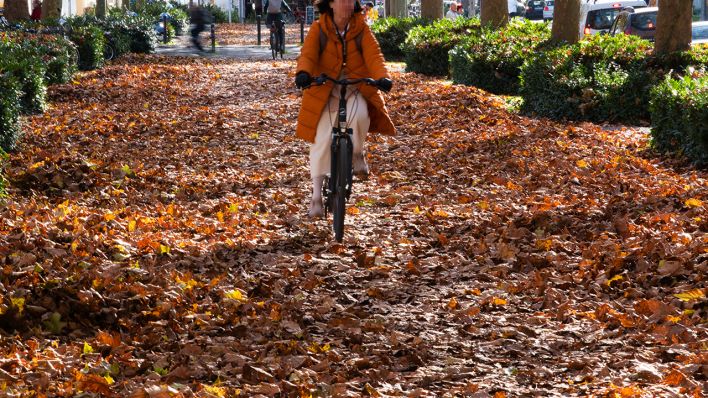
x: 277, y: 38
x: 337, y: 187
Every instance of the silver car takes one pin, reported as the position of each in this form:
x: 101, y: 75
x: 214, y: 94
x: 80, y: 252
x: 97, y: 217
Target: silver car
x: 699, y: 32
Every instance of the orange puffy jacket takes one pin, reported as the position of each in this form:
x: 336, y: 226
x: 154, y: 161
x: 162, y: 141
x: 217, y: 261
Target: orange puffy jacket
x: 368, y: 62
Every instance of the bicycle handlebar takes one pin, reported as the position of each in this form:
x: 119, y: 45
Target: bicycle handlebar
x: 323, y: 78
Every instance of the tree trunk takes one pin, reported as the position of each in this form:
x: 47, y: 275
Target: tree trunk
x: 673, y: 26
x: 17, y: 10
x: 652, y: 3
x: 432, y: 9
x: 495, y: 13
x: 51, y: 9
x: 396, y: 8
x: 101, y: 6
x: 566, y: 19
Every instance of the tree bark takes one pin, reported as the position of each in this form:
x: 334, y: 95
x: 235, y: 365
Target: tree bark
x: 16, y: 10
x: 396, y: 8
x: 432, y: 9
x: 51, y: 9
x: 495, y: 13
x: 566, y: 19
x: 652, y: 3
x: 673, y: 26
x: 101, y: 8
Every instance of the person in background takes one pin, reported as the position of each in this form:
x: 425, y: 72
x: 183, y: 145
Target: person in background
x: 198, y: 17
x: 452, y: 12
x: 36, y: 10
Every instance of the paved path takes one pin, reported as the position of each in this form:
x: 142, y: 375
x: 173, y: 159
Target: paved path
x: 183, y: 48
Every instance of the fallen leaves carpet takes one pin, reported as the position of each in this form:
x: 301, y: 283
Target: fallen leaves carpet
x: 155, y: 244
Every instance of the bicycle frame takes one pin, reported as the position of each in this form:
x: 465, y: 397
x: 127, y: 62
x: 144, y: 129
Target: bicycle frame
x: 340, y: 132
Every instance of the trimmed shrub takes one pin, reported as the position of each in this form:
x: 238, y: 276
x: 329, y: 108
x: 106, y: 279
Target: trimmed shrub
x: 59, y: 55
x: 217, y: 14
x: 23, y: 61
x: 492, y: 59
x: 679, y: 116
x: 601, y: 78
x: 426, y: 47
x: 90, y: 41
x: 135, y: 31
x: 9, y: 110
x: 392, y: 32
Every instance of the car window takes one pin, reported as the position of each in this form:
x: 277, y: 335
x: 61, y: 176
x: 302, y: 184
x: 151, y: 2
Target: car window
x: 535, y: 3
x: 644, y: 21
x: 550, y: 3
x: 619, y: 24
x: 699, y: 32
x: 601, y: 19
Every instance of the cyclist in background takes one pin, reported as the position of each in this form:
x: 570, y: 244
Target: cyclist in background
x: 341, y: 22
x: 275, y: 13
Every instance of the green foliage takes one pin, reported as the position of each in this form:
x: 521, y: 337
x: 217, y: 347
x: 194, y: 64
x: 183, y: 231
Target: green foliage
x: 600, y: 78
x: 87, y: 34
x: 426, y: 47
x: 24, y: 62
x: 679, y: 116
x: 492, y: 59
x: 217, y: 14
x: 9, y: 110
x: 135, y: 32
x: 392, y: 32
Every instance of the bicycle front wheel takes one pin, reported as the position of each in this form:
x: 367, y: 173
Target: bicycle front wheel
x: 340, y: 192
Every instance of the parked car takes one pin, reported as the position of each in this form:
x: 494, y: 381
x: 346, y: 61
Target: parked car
x: 699, y: 32
x: 641, y: 22
x: 548, y: 10
x: 534, y: 9
x: 516, y: 8
x: 596, y: 16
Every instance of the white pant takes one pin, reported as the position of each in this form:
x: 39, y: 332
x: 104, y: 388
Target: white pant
x: 357, y: 119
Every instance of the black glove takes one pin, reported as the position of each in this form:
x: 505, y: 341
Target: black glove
x: 303, y: 80
x: 384, y: 84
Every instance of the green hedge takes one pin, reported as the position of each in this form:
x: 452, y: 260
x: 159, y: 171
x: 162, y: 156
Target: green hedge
x: 392, y: 32
x: 23, y: 61
x: 492, y: 59
x: 90, y: 41
x: 9, y: 110
x: 601, y: 78
x: 679, y: 116
x: 426, y: 47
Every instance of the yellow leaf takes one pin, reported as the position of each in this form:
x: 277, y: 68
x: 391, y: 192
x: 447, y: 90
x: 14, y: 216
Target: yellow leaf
x: 131, y: 225
x: 484, y: 205
x: 498, y: 301
x: 236, y: 294
x: 164, y: 249
x: 233, y: 208
x: 581, y: 163
x: 693, y: 202
x: 614, y: 278
x: 218, y: 391
x: 87, y: 348
x: 109, y: 216
x: 74, y: 246
x: 220, y: 216
x: 254, y: 136
x: 452, y: 304
x: 694, y: 294
x: 19, y: 303
x: 109, y: 379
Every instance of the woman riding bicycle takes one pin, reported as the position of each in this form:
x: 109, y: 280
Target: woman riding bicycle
x: 341, y: 21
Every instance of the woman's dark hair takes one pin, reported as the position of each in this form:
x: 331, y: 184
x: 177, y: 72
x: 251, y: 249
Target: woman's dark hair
x: 323, y: 7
